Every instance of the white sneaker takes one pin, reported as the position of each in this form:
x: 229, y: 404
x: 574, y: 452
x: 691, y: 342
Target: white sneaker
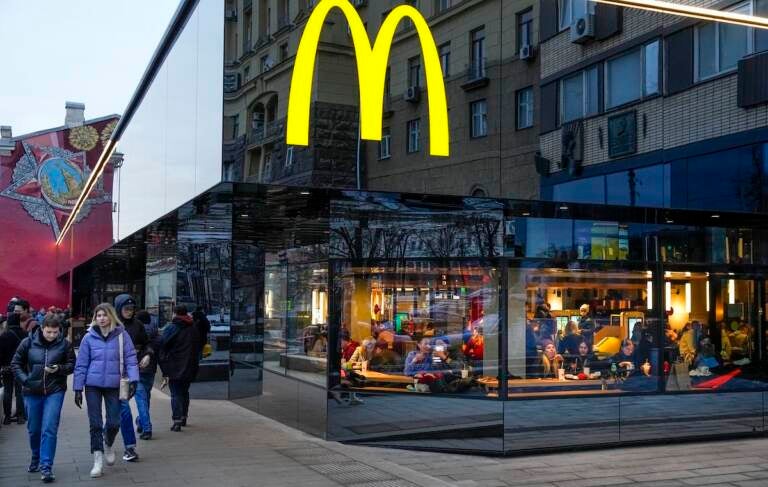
x: 98, y: 464
x: 109, y: 455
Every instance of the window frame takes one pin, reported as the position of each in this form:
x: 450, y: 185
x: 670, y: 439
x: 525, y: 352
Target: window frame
x: 584, y: 92
x: 717, y: 25
x: 524, y: 25
x: 414, y: 63
x: 518, y: 105
x: 416, y: 122
x: 444, y: 53
x: 386, y: 141
x: 477, y: 59
x: 483, y: 118
x: 641, y: 53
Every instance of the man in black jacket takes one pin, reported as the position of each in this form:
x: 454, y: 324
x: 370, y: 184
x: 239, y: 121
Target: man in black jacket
x: 179, y: 348
x: 41, y: 364
x: 125, y: 306
x: 9, y: 342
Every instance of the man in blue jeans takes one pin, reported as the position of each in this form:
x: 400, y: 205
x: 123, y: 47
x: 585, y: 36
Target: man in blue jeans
x: 125, y: 306
x: 146, y: 378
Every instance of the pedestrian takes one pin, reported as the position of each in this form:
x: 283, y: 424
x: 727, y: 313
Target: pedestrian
x: 146, y: 377
x: 179, y: 362
x: 125, y: 306
x: 28, y: 322
x: 98, y: 370
x: 42, y: 363
x: 9, y: 342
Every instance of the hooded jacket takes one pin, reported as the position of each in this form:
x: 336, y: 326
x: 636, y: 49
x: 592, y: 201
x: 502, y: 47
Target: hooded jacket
x: 133, y: 326
x: 98, y: 363
x: 179, y: 350
x: 10, y: 340
x: 34, y: 354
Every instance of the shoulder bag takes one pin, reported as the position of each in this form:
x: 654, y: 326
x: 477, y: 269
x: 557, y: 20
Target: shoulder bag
x: 125, y: 384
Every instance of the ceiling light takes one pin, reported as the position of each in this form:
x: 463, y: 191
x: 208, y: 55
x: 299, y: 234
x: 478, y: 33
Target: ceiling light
x: 694, y: 12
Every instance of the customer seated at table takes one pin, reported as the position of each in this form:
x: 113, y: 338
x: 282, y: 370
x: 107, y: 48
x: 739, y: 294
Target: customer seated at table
x: 474, y: 347
x: 570, y: 342
x: 626, y: 360
x: 384, y: 358
x: 584, y: 358
x: 348, y: 346
x: 689, y: 341
x: 363, y: 353
x: 424, y: 358
x: 550, y: 360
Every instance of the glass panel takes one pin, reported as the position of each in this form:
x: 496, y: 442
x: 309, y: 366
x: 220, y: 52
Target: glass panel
x: 587, y: 190
x: 573, y: 97
x: 546, y: 238
x: 651, y: 67
x: 624, y: 79
x: 706, y: 53
x: 419, y: 326
x: 573, y: 331
x: 734, y: 43
x: 592, y: 103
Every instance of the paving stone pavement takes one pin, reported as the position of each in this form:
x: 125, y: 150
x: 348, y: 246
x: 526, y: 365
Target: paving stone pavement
x: 227, y: 446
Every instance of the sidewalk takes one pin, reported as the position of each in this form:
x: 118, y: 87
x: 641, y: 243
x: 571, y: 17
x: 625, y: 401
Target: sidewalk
x: 226, y: 446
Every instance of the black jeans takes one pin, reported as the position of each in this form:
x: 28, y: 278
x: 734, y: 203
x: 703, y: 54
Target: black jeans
x: 111, y: 397
x: 179, y: 398
x: 10, y: 385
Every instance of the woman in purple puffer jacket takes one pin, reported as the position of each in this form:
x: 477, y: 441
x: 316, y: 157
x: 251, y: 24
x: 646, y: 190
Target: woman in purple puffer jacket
x: 98, y: 371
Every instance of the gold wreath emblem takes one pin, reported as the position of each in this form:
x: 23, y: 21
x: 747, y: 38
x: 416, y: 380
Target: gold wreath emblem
x: 84, y: 137
x: 106, y: 133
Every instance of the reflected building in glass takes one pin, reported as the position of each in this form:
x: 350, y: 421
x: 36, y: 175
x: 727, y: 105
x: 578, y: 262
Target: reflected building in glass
x: 406, y: 319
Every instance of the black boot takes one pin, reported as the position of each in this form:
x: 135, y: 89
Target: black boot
x: 176, y: 426
x: 184, y: 421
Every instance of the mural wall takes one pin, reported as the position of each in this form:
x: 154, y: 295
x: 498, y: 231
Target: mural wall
x: 40, y: 182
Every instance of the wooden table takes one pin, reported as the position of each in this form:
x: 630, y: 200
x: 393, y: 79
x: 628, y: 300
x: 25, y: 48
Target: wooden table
x: 492, y: 383
x: 381, y: 377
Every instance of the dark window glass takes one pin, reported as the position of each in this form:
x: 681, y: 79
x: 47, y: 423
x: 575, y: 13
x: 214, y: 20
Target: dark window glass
x: 587, y: 190
x: 727, y: 180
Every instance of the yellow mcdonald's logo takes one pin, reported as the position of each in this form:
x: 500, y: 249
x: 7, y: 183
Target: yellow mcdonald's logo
x: 371, y: 72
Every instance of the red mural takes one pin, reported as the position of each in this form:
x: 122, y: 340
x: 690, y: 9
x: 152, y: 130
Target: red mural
x: 39, y: 184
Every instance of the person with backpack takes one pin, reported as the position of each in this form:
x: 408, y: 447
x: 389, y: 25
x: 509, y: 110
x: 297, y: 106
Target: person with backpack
x: 106, y: 357
x: 146, y: 377
x: 41, y: 364
x: 9, y: 342
x: 125, y: 306
x: 179, y: 350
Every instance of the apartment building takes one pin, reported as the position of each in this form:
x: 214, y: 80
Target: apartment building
x: 488, y: 56
x: 643, y: 108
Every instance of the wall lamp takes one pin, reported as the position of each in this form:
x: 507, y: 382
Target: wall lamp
x: 689, y: 11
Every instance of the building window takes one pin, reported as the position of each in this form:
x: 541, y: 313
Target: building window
x: 235, y: 126
x: 632, y: 76
x: 247, y: 73
x: 719, y: 46
x: 570, y: 10
x: 479, y: 110
x: 414, y: 136
x: 579, y: 95
x: 524, y: 29
x: 264, y: 63
x: 477, y: 54
x: 289, y: 156
x: 478, y: 192
x: 385, y: 144
x: 445, y: 59
x: 525, y: 108
x: 414, y: 72
x: 442, y: 6
x: 283, y: 52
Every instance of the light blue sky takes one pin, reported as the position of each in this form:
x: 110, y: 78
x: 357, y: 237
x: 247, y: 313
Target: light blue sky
x: 89, y: 51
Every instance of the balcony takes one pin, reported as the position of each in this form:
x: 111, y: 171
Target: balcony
x: 476, y: 75
x: 268, y: 133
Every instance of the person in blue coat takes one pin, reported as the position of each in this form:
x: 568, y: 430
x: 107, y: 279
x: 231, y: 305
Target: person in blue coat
x: 98, y: 372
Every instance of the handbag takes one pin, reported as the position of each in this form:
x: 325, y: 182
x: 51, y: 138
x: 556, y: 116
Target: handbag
x: 125, y: 384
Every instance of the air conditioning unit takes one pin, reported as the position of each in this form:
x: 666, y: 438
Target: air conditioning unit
x: 527, y: 51
x: 583, y: 29
x: 413, y: 94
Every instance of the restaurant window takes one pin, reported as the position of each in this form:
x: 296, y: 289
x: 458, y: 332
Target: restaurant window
x: 648, y: 186
x: 479, y: 111
x: 445, y: 59
x: 720, y: 46
x: 414, y: 72
x: 569, y: 11
x: 582, y: 332
x: 525, y: 108
x: 579, y: 95
x: 632, y: 76
x: 296, y: 319
x: 477, y: 53
x: 414, y: 136
x: 385, y: 144
x: 524, y: 29
x: 419, y: 326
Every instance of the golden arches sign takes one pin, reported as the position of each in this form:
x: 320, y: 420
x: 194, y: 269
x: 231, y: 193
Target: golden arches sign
x: 371, y: 72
